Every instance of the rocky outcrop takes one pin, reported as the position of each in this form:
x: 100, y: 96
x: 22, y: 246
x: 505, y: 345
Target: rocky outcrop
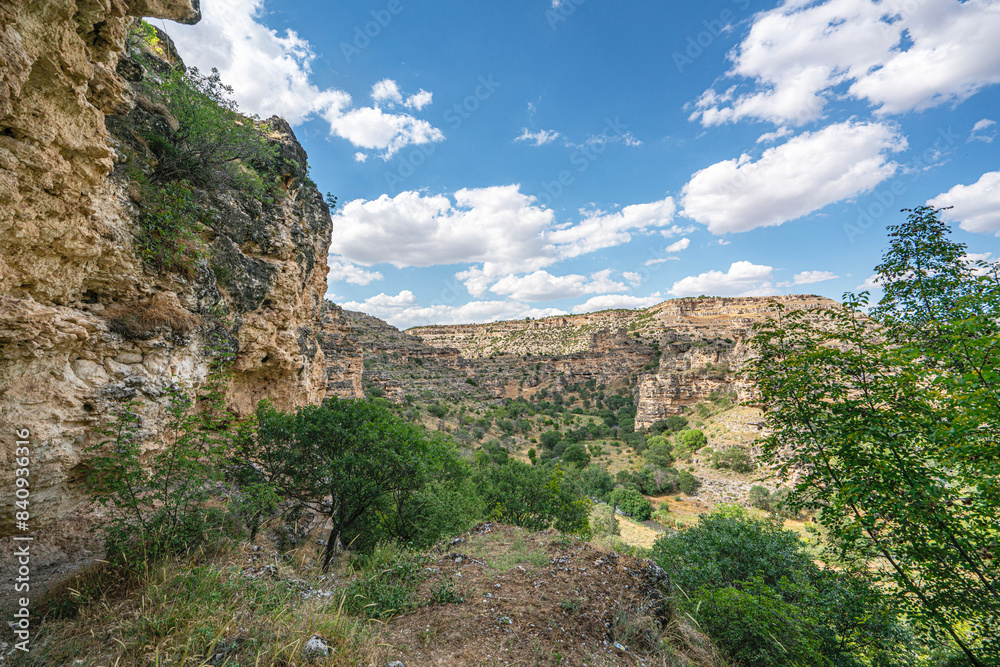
x: 706, y: 317
x: 344, y: 363
x: 700, y: 344
x: 689, y: 372
x: 85, y: 322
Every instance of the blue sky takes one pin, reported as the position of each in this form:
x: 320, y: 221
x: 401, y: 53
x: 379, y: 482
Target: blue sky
x: 534, y: 157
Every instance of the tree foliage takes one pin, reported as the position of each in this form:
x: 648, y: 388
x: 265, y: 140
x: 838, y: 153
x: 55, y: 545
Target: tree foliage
x: 360, y: 466
x: 891, y: 423
x: 753, y: 588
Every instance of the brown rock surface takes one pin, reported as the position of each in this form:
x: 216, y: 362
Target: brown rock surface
x: 84, y: 323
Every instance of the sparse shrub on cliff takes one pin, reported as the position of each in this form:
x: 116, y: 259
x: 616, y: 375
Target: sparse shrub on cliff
x: 143, y: 320
x: 170, y: 221
x: 736, y: 459
x: 161, y: 508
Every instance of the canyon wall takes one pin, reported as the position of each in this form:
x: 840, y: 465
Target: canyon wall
x: 700, y: 344
x: 85, y: 322
x: 671, y: 355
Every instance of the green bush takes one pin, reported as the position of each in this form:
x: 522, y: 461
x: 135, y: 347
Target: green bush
x: 754, y: 589
x: 687, y: 482
x: 603, y: 522
x: 632, y: 503
x: 659, y: 452
x: 170, y: 221
x: 576, y: 455
x: 160, y: 506
x: 736, y: 459
x: 534, y: 497
x: 671, y: 424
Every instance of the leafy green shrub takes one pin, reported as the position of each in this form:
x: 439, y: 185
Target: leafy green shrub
x: 577, y: 455
x: 736, y: 459
x: 632, y: 503
x: 603, y: 521
x: 161, y: 508
x: 687, y: 482
x: 753, y: 588
x: 659, y: 452
x: 534, y: 497
x: 170, y: 221
x: 671, y: 424
x: 437, y: 410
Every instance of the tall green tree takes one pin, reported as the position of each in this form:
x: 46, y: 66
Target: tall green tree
x: 889, y: 423
x: 344, y: 460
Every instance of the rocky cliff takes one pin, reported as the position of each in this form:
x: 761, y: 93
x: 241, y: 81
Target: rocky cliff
x: 699, y: 344
x: 86, y: 320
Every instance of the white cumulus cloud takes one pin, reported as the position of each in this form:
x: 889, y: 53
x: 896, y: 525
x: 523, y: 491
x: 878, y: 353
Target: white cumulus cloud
x: 344, y: 271
x: 499, y: 229
x: 976, y: 206
x: 271, y: 74
x: 791, y: 180
x: 677, y: 246
x: 419, y: 100
x: 543, y: 286
x: 742, y: 279
x: 984, y: 130
x: 613, y: 301
x: 898, y: 55
x: 404, y: 311
x: 808, y: 278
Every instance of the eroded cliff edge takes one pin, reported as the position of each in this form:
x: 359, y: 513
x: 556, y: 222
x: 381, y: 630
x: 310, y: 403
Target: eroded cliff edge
x: 85, y: 321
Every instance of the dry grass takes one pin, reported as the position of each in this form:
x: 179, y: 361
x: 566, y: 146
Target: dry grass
x: 501, y: 595
x: 195, y: 612
x: 635, y: 534
x: 143, y: 320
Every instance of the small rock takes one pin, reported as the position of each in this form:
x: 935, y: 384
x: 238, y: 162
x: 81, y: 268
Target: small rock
x: 394, y: 663
x: 316, y: 647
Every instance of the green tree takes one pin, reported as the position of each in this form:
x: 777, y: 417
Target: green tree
x: 753, y: 588
x: 659, y: 451
x: 632, y: 503
x: 687, y: 482
x: 603, y: 521
x: 160, y: 506
x: 734, y: 458
x: 534, y: 497
x: 576, y: 455
x: 891, y: 422
x: 344, y: 460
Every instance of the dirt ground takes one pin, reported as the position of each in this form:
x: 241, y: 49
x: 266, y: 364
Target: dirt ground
x: 524, y: 598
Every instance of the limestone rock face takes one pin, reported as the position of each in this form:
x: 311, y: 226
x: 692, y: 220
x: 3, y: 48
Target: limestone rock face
x: 84, y: 323
x: 701, y: 343
x: 342, y: 354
